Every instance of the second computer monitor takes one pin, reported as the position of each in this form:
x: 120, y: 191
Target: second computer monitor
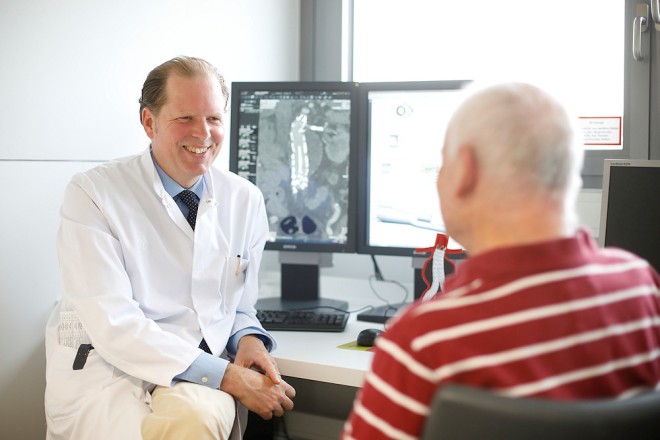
x: 630, y: 209
x: 402, y: 127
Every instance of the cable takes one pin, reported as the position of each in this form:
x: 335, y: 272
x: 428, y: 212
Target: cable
x: 377, y: 272
x: 361, y: 309
x: 378, y: 276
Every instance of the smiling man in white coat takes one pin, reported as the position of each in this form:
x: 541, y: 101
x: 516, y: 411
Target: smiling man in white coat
x: 157, y: 301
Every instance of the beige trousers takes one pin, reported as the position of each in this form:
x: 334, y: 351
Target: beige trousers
x: 189, y: 411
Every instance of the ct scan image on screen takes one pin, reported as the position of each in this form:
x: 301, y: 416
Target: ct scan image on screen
x: 295, y: 147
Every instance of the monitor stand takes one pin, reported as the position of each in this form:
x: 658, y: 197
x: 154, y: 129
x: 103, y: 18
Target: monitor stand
x: 300, y: 283
x: 381, y: 314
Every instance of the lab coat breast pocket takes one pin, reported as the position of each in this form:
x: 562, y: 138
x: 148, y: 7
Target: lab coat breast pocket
x: 234, y: 283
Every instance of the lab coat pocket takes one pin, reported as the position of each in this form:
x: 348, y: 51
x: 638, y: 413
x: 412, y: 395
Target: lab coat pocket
x: 68, y: 390
x: 234, y: 283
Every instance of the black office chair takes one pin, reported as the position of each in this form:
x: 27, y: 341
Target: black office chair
x: 460, y: 412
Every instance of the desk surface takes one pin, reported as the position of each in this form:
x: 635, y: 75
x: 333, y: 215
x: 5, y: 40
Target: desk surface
x: 316, y: 356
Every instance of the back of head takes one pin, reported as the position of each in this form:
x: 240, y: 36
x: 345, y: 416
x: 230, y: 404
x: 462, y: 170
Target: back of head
x: 523, y: 139
x: 154, y: 92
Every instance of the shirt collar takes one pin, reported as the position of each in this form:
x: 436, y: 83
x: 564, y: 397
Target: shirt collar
x: 170, y: 185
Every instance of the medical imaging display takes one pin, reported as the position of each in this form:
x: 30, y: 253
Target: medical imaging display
x: 294, y: 145
x: 405, y: 139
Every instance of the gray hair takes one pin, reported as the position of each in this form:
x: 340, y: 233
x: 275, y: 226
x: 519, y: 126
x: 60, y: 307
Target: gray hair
x: 522, y: 137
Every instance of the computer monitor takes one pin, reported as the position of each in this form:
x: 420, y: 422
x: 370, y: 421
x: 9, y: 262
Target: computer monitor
x: 297, y: 142
x: 402, y: 127
x: 630, y: 208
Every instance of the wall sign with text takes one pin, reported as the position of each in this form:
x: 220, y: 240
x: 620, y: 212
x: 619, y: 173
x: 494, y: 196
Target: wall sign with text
x: 602, y: 132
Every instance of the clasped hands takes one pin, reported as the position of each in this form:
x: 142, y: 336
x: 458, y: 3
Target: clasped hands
x: 265, y: 394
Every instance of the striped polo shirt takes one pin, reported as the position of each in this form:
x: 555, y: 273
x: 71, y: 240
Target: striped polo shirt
x: 560, y: 319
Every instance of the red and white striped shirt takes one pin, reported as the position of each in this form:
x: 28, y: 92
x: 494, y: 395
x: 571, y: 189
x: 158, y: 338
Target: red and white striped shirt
x: 561, y: 319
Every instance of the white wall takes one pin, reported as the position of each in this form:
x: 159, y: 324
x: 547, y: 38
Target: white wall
x: 72, y: 71
x: 69, y: 83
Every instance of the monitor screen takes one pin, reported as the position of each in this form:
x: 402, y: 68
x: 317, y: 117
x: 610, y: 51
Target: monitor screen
x: 630, y: 208
x: 402, y: 126
x: 295, y: 141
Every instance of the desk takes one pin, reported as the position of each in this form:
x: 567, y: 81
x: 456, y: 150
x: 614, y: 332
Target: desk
x: 315, y: 356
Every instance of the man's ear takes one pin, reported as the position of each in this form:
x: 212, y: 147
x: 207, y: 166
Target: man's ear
x: 468, y: 170
x: 148, y: 122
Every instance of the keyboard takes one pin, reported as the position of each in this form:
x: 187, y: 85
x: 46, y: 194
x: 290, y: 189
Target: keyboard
x: 302, y: 320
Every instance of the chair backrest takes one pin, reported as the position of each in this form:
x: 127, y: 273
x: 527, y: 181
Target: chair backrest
x: 465, y: 413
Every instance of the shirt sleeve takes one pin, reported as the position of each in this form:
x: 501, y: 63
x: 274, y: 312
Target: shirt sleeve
x: 232, y: 344
x: 207, y: 370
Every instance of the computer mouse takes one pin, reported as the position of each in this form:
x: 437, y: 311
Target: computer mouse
x: 367, y: 337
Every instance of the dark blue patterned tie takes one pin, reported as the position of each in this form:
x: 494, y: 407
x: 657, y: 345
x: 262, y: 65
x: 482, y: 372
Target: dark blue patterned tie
x: 191, y: 200
x: 204, y: 346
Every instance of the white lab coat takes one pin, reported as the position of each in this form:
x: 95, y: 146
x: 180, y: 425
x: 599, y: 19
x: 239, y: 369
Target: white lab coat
x: 145, y: 288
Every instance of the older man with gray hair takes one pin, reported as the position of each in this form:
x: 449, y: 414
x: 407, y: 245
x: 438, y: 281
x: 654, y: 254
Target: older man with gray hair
x: 537, y: 310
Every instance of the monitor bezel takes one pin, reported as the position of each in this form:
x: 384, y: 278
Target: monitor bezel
x: 312, y: 86
x: 608, y: 164
x: 363, y: 247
